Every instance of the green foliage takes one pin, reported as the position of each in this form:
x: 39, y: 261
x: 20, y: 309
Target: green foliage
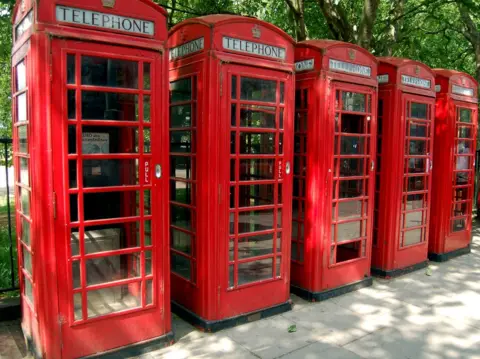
x: 5, y: 84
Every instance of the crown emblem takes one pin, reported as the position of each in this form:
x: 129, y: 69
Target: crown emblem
x: 351, y: 54
x: 256, y: 32
x: 108, y: 3
x: 417, y: 70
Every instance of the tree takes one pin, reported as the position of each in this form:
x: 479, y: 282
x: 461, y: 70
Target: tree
x: 297, y: 8
x: 470, y: 29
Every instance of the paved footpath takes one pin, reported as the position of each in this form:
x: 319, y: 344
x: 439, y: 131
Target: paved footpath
x: 417, y: 316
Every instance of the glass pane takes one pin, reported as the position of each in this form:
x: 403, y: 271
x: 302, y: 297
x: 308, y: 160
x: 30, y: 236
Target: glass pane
x: 257, y: 143
x: 181, y: 116
x: 72, y: 104
x: 352, y: 145
x: 24, y: 196
x: 465, y: 115
x: 418, y: 110
x: 147, y: 203
x: 349, y: 210
x: 181, y: 90
x: 181, y: 241
x: 464, y: 162
x: 24, y: 176
x: 148, y: 263
x: 258, y: 90
x: 348, y: 231
x: 350, y: 167
x: 282, y: 92
x: 255, y: 271
x: 256, y: 195
x: 147, y: 140
x: 149, y: 298
x: 234, y: 87
x: 74, y: 242
x: 112, y: 268
x: 70, y: 69
x: 27, y: 260
x: 353, y: 123
x: 109, y: 106
x: 107, y: 205
x: 22, y: 139
x: 76, y: 274
x: 257, y: 169
x: 415, y: 201
x: 146, y: 76
x: 417, y: 130
x: 413, y: 219
x: 412, y: 237
x: 417, y: 165
x: 107, y: 173
x: 111, y: 300
x: 465, y: 132
x: 28, y: 290
x: 25, y: 235
x: 464, y: 147
x: 254, y: 221
x: 118, y: 236
x: 462, y: 178
x: 22, y: 107
x: 181, y: 217
x: 416, y: 184
x: 459, y: 225
x: 148, y: 233
x: 255, y: 246
x: 77, y: 306
x: 100, y: 71
x: 353, y: 101
x: 72, y: 173
x: 417, y: 147
x: 181, y: 266
x: 181, y: 141
x: 257, y: 116
x: 460, y: 194
x: 351, y: 189
x: 231, y: 276
x: 103, y: 140
x: 181, y: 167
x: 181, y: 192
x: 21, y: 76
x: 461, y: 209
x: 146, y: 109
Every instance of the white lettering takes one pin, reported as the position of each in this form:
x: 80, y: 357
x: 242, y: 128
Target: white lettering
x: 255, y: 48
x: 383, y: 79
x: 416, y: 81
x: 464, y: 91
x: 304, y: 65
x: 438, y: 88
x: 348, y: 67
x: 187, y: 48
x: 105, y: 21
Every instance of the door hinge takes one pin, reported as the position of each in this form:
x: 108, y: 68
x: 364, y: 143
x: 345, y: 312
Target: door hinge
x: 54, y: 205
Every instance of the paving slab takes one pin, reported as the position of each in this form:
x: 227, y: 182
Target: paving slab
x: 322, y: 351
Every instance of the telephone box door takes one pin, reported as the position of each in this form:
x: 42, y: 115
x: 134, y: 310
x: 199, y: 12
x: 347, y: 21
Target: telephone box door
x: 108, y: 197
x: 353, y: 180
x: 259, y: 145
x: 417, y: 169
x: 463, y: 175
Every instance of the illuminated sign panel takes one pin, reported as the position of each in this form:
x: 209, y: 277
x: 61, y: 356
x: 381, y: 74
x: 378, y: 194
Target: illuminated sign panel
x: 255, y: 48
x: 350, y: 68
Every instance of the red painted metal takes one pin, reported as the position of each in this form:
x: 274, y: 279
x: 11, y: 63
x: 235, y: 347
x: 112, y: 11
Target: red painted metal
x: 404, y: 157
x: 209, y: 272
x: 60, y: 292
x: 454, y: 156
x: 326, y: 252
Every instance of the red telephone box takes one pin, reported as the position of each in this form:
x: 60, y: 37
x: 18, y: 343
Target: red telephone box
x: 333, y: 185
x: 93, y: 247
x: 456, y: 124
x: 231, y: 107
x: 406, y: 112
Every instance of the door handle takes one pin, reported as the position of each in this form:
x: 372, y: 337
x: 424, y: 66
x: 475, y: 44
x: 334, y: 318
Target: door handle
x: 372, y: 166
x: 158, y: 171
x: 287, y: 168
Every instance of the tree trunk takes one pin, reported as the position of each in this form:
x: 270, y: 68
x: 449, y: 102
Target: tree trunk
x: 297, y: 8
x: 365, y: 31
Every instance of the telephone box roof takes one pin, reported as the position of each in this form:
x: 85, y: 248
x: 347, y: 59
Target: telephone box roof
x: 223, y: 19
x: 402, y: 62
x: 326, y: 45
x: 453, y: 73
